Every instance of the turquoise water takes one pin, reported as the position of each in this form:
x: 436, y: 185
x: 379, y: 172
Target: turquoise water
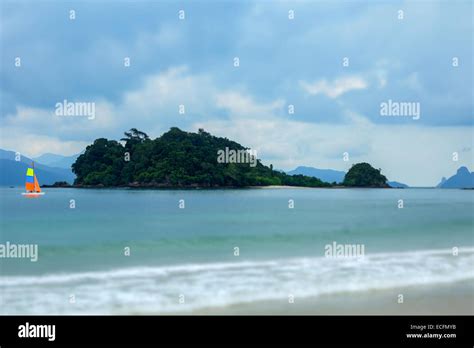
x: 191, y: 251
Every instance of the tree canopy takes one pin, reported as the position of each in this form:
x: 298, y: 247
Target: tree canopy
x: 364, y: 175
x: 176, y: 159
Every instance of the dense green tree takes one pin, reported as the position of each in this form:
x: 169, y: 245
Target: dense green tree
x: 134, y: 137
x: 176, y: 159
x: 101, y: 163
x: 364, y: 175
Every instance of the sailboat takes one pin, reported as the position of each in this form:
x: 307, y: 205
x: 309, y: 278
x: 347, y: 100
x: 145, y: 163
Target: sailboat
x: 32, y: 186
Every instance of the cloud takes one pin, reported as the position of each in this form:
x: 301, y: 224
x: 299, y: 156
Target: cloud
x: 335, y: 88
x: 35, y: 145
x: 269, y: 71
x: 44, y: 121
x: 241, y: 105
x: 167, y: 90
x: 152, y: 106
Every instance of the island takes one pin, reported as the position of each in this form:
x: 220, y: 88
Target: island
x: 177, y: 159
x: 364, y: 175
x: 180, y: 159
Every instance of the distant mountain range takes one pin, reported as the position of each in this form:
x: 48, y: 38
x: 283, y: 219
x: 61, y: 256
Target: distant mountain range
x: 53, y: 160
x: 330, y: 175
x: 462, y: 179
x: 396, y: 184
x: 12, y: 172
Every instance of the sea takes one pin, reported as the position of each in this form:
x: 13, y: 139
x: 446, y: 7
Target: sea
x: 132, y: 251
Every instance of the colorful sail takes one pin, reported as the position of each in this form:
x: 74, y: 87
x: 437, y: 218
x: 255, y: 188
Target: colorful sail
x: 37, y: 186
x: 30, y: 180
x: 32, y: 184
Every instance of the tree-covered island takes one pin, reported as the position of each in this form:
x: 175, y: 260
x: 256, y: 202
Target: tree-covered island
x: 179, y: 159
x: 364, y: 175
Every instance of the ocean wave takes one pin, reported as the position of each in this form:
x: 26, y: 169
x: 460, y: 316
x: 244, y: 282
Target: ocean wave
x: 158, y: 289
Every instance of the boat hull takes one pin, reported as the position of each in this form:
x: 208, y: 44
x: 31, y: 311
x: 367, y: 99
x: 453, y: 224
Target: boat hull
x: 32, y: 194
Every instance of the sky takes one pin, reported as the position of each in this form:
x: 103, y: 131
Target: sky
x: 333, y: 63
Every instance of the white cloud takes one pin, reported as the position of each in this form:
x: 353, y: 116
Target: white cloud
x: 335, y: 88
x: 45, y: 121
x: 35, y: 145
x: 240, y: 105
x: 152, y: 107
x: 164, y: 92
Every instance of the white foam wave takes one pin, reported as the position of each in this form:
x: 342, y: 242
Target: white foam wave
x: 157, y: 289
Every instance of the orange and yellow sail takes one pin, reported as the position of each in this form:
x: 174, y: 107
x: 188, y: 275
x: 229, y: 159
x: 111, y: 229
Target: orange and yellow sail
x: 31, y: 184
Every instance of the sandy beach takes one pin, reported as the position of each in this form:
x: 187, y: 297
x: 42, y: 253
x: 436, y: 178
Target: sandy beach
x: 443, y: 299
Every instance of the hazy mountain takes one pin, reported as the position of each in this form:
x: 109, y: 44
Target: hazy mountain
x: 443, y: 180
x: 53, y: 160
x: 462, y: 179
x: 12, y: 172
x: 396, y: 184
x: 327, y: 175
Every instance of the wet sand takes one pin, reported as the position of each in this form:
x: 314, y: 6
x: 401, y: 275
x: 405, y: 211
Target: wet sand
x: 442, y: 299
